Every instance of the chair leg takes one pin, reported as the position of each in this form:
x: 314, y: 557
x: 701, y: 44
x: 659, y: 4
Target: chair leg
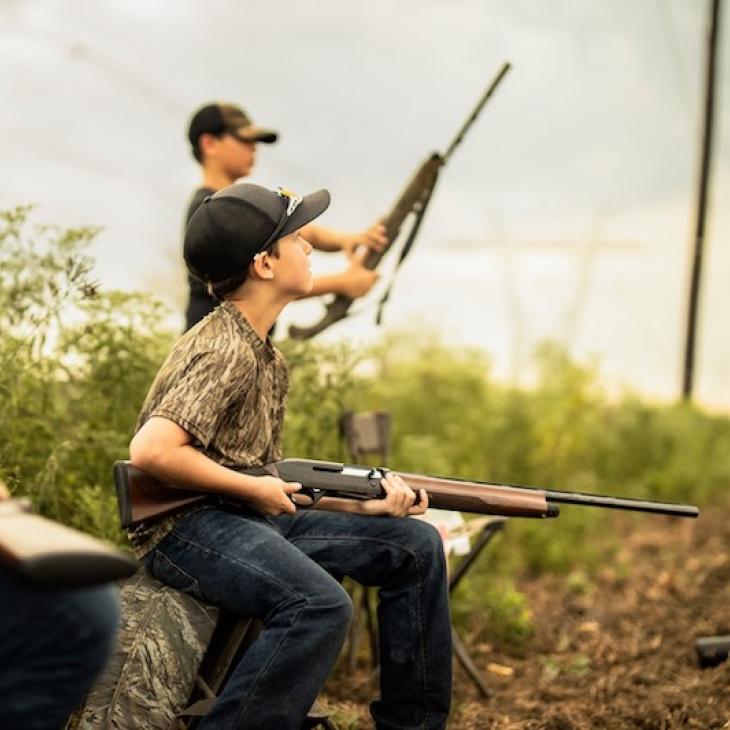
x: 316, y: 719
x: 372, y: 628
x: 460, y: 651
x: 466, y: 662
x: 364, y: 619
x: 485, y: 536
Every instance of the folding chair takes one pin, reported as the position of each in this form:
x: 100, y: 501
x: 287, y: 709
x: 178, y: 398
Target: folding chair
x: 485, y: 529
x: 367, y: 434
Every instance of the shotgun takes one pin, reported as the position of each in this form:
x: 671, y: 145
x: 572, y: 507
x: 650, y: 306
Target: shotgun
x: 142, y: 497
x: 50, y: 555
x: 414, y: 199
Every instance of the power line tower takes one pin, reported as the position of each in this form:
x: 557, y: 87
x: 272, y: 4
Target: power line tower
x: 583, y: 252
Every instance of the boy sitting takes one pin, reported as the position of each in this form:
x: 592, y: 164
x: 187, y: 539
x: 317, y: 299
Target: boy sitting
x: 217, y: 405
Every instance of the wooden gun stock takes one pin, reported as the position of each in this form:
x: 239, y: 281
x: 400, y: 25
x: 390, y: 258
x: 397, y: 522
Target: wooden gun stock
x: 142, y: 497
x: 49, y: 554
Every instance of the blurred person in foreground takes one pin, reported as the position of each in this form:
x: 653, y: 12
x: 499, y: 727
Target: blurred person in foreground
x: 53, y: 644
x: 217, y: 406
x: 223, y: 140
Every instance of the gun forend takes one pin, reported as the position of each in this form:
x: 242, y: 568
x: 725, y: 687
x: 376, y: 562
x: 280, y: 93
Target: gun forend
x: 481, y: 498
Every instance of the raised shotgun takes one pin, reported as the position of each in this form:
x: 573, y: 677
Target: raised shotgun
x: 414, y: 199
x: 142, y: 497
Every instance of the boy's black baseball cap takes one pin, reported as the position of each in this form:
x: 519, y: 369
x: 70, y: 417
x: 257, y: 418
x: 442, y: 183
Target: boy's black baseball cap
x: 229, y: 228
x: 221, y: 117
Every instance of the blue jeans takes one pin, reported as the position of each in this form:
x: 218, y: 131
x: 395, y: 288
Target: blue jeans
x: 285, y: 571
x: 52, y: 646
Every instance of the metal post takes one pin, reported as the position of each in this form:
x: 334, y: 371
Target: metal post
x: 702, y: 196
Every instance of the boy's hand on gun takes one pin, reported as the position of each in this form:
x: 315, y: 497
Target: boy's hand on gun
x: 399, y: 500
x: 373, y: 238
x: 272, y: 496
x: 356, y: 280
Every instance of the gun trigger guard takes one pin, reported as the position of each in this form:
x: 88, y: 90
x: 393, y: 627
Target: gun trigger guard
x: 312, y: 493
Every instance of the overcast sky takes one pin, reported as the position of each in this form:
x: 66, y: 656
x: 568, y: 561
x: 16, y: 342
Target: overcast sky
x: 566, y: 214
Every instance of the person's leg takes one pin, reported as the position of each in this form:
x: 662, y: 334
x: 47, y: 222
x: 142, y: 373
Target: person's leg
x: 242, y: 564
x: 406, y: 559
x: 52, y: 646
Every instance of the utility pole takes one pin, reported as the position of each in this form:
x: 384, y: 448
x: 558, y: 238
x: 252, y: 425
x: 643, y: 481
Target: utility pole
x: 702, y: 196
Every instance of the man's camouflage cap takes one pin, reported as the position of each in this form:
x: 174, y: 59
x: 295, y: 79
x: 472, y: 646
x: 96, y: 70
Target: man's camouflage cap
x: 220, y: 118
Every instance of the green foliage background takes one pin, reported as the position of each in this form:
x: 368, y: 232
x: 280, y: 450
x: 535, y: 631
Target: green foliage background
x: 75, y: 364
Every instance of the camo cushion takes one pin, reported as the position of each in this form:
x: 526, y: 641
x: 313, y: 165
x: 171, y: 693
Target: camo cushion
x: 150, y: 676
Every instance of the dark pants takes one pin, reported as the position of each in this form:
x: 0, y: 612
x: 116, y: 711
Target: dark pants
x: 285, y: 571
x: 52, y: 646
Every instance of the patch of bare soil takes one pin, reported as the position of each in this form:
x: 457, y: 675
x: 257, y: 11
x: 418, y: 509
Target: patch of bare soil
x: 618, y: 653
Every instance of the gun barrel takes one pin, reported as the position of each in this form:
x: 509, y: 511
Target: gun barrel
x: 622, y: 503
x: 477, y: 109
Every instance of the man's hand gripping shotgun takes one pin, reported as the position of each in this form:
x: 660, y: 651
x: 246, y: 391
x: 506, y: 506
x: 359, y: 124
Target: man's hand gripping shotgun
x: 142, y: 497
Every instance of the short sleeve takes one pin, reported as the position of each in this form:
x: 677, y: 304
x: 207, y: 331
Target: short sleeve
x: 202, y: 391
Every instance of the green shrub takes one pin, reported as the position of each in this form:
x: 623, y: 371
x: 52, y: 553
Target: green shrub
x: 494, y: 610
x: 75, y: 365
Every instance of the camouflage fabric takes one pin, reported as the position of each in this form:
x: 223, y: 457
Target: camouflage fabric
x: 227, y: 388
x: 162, y: 639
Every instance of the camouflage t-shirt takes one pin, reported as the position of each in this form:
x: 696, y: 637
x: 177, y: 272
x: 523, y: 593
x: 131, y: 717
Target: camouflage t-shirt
x: 227, y: 388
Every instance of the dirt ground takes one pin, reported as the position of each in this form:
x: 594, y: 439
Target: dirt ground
x: 615, y: 652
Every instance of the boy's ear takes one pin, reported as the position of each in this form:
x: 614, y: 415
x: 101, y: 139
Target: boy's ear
x: 260, y: 267
x: 207, y: 143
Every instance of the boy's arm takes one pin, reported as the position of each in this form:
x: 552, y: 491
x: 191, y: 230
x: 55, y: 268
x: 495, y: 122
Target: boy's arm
x: 353, y: 282
x: 356, y: 280
x: 328, y: 239
x: 164, y: 450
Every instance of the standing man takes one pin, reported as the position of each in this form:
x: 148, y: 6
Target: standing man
x: 223, y: 139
